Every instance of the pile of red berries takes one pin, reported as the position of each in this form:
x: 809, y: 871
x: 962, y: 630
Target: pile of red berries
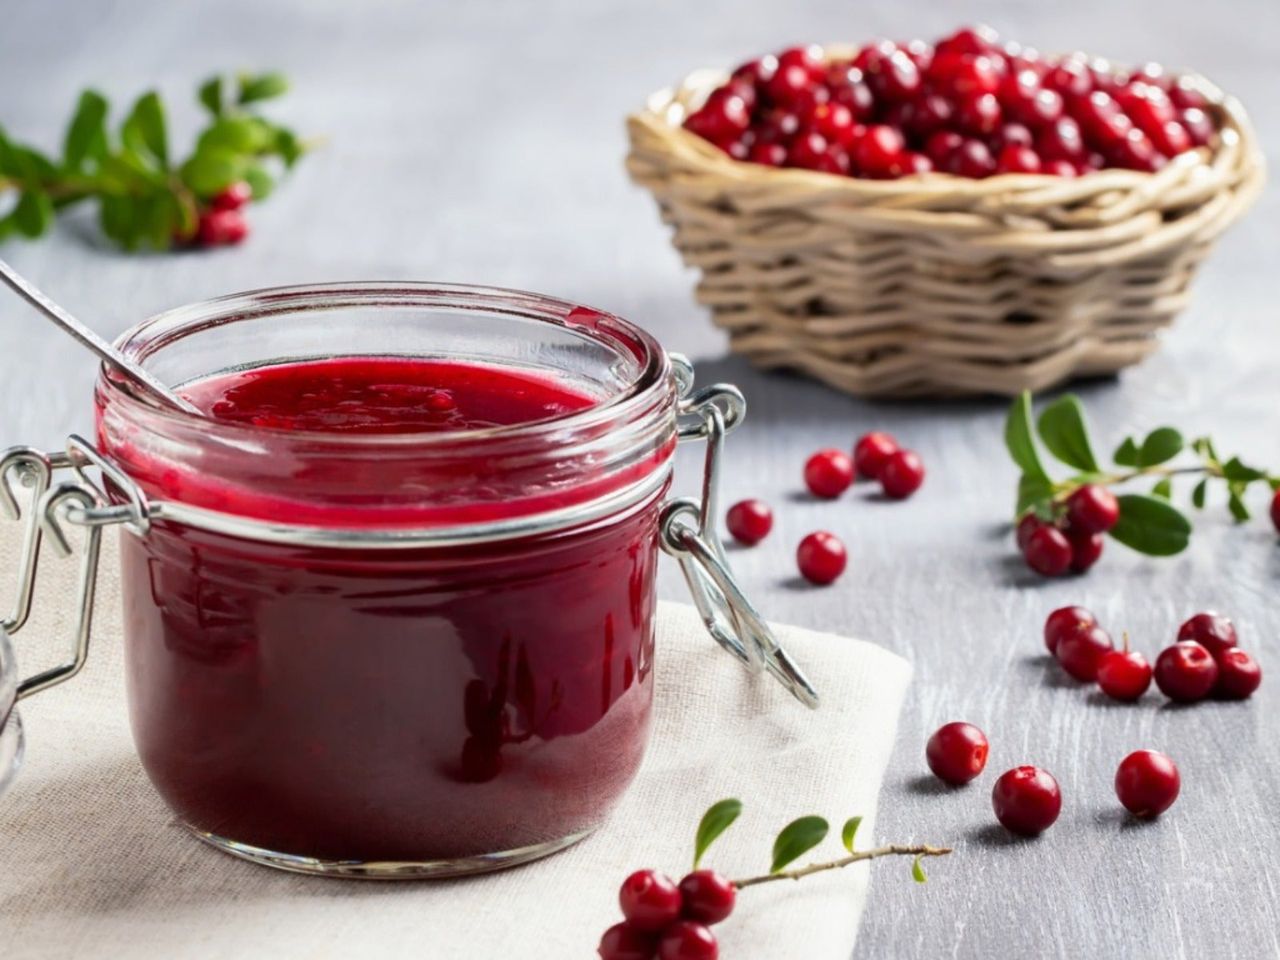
x: 1027, y: 799
x: 222, y: 223
x: 1073, y: 540
x: 1205, y: 661
x: 822, y: 556
x: 971, y: 106
x: 669, y: 922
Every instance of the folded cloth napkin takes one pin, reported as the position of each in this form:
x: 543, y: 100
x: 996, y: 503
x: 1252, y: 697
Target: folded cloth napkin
x: 92, y: 864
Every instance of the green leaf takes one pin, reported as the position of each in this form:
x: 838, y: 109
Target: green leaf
x: 1236, y: 504
x: 1161, y: 446
x: 1063, y: 431
x: 1163, y: 488
x: 917, y: 871
x: 849, y: 832
x: 1204, y: 447
x: 144, y: 131
x: 209, y: 171
x: 1033, y: 493
x: 796, y: 839
x: 1126, y: 454
x: 211, y: 95
x: 1020, y: 440
x: 288, y: 146
x: 33, y: 214
x: 1151, y: 525
x: 260, y: 181
x: 718, y: 818
x: 1236, y: 471
x: 86, y: 137
x: 118, y: 216
x: 159, y: 219
x: 262, y: 87
x: 238, y: 135
x: 1199, y: 492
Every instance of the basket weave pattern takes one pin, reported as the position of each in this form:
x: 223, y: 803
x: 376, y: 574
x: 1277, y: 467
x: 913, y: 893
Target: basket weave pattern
x: 939, y: 285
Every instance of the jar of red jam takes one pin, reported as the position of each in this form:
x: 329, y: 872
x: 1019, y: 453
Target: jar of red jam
x: 389, y: 598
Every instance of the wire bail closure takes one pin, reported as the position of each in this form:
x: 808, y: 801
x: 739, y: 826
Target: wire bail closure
x: 687, y: 532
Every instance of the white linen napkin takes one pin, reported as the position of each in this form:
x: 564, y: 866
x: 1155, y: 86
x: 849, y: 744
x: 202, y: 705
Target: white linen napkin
x: 92, y: 864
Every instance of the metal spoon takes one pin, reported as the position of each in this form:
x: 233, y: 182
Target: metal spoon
x: 88, y: 338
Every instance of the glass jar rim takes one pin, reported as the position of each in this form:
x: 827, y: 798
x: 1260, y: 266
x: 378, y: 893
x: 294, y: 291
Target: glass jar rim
x: 153, y: 334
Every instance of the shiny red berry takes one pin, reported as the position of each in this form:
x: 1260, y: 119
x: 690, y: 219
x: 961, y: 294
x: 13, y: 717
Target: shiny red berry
x: 749, y: 521
x: 879, y: 152
x: 1124, y: 674
x: 957, y: 752
x: 1070, y: 77
x: 650, y: 900
x: 1027, y: 525
x: 970, y: 40
x: 1199, y: 126
x: 972, y: 159
x: 1238, y: 675
x: 687, y: 940
x: 1186, y: 672
x: 871, y: 452
x: 1147, y: 783
x: 828, y: 473
x: 821, y: 557
x: 217, y: 228
x: 623, y: 941
x: 1064, y: 621
x: 1061, y: 140
x: 708, y: 896
x: 1214, y: 632
x: 232, y: 197
x: 1081, y: 651
x: 942, y: 147
x: 1048, y: 551
x: 1016, y: 159
x: 1275, y: 511
x: 979, y: 114
x: 1086, y: 548
x: 1093, y: 509
x: 902, y: 474
x: 1026, y: 800
x: 768, y: 154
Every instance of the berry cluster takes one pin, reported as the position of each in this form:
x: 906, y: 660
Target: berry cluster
x: 1205, y: 661
x: 222, y: 222
x: 822, y: 556
x: 666, y: 921
x: 970, y: 106
x: 1027, y: 799
x: 1073, y: 540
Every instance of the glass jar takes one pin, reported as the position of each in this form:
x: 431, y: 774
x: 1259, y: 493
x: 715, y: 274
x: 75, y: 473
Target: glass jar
x: 398, y: 654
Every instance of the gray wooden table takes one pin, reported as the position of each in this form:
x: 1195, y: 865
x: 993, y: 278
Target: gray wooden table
x: 483, y: 142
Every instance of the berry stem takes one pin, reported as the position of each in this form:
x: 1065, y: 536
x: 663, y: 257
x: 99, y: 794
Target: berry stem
x: 1067, y: 488
x: 921, y: 850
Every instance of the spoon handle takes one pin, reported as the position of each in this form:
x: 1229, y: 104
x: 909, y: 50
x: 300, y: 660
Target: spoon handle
x: 88, y: 338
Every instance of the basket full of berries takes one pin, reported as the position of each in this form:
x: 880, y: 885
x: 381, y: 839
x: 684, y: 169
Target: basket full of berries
x: 966, y: 218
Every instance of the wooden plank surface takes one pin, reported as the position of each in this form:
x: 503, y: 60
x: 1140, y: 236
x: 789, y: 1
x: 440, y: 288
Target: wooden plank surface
x: 483, y: 142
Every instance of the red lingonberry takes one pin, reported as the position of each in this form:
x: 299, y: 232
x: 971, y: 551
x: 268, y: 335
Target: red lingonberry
x: 1061, y: 140
x: 870, y: 453
x: 828, y: 473
x: 1026, y: 800
x: 1016, y: 159
x: 687, y: 940
x: 957, y: 752
x: 757, y: 72
x: 942, y: 147
x: 1063, y: 621
x: 1027, y: 525
x: 650, y: 900
x: 902, y: 474
x: 821, y: 557
x: 1081, y: 651
x: 1086, y: 548
x: 768, y: 154
x: 1124, y: 674
x: 708, y: 897
x: 623, y: 941
x: 1013, y: 135
x: 970, y: 40
x: 749, y: 521
x: 972, y: 159
x: 1070, y: 77
x: 1093, y: 509
x: 1199, y: 126
x: 879, y: 152
x: 1275, y: 510
x: 1213, y: 631
x: 1048, y: 551
x: 1238, y: 675
x: 1186, y: 672
x: 217, y: 228
x: 232, y: 197
x: 835, y: 122
x: 1147, y: 783
x: 979, y: 114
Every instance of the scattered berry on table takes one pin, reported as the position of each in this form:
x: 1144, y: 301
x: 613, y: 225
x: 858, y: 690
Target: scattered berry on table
x: 707, y: 897
x: 957, y: 752
x: 1147, y: 783
x: 821, y: 557
x: 623, y: 941
x: 1093, y: 509
x: 1124, y: 674
x: 1238, y: 675
x: 902, y: 474
x: 1063, y: 621
x: 1081, y: 651
x: 1214, y: 632
x: 687, y: 940
x: 1026, y: 800
x: 870, y: 453
x: 650, y: 900
x: 1048, y: 551
x: 828, y: 473
x: 749, y: 521
x: 1186, y: 672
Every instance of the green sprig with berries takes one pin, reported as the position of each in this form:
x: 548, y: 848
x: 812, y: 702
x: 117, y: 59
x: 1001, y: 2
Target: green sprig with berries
x: 145, y: 196
x: 1148, y: 521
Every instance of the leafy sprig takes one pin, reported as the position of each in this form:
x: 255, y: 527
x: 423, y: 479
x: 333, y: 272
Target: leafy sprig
x: 1149, y: 522
x: 145, y: 196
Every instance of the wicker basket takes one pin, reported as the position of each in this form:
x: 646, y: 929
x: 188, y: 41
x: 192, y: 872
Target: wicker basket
x: 934, y: 284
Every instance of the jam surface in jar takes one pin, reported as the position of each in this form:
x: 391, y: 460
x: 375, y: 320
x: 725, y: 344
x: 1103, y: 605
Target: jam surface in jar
x: 398, y: 705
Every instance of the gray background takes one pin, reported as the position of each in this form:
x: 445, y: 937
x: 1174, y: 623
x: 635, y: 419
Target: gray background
x: 483, y: 142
